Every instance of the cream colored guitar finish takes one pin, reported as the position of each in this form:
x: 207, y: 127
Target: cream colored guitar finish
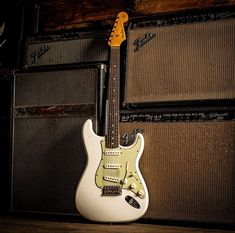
x: 112, y: 188
x: 89, y: 199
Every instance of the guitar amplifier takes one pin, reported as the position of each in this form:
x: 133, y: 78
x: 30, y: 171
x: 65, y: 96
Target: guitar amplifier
x: 188, y: 165
x: 68, y: 48
x: 180, y: 58
x: 48, y: 158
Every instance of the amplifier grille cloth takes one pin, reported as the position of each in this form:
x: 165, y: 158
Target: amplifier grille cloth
x: 189, y: 169
x: 56, y: 87
x: 182, y: 62
x: 67, y: 51
x: 48, y: 162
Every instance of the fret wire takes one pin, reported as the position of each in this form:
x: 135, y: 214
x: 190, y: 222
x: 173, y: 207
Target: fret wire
x: 113, y: 106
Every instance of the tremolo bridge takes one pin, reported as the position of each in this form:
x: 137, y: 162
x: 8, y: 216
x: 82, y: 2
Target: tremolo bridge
x: 117, y: 170
x: 112, y: 190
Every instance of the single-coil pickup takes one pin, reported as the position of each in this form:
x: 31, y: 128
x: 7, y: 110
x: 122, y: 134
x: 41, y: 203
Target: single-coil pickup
x: 112, y: 166
x: 112, y: 153
x: 112, y: 179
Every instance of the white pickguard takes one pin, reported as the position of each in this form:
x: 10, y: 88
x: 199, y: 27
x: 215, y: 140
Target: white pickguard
x: 89, y: 200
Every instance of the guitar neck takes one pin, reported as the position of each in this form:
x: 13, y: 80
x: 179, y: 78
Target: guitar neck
x: 112, y: 130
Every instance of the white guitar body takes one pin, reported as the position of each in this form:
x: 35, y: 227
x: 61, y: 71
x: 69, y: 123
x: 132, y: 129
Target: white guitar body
x: 89, y: 199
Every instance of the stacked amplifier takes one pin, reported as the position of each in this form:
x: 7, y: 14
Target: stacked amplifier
x: 180, y: 92
x: 67, y: 48
x: 60, y: 87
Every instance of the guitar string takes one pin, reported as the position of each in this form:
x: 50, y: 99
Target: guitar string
x: 112, y: 136
x: 115, y: 105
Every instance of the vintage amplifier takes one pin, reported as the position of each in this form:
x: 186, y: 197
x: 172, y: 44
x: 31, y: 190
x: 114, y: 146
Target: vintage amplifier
x: 48, y: 158
x: 180, y: 58
x: 188, y: 164
x: 66, y: 48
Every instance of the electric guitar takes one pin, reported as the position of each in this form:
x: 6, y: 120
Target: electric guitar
x: 112, y: 188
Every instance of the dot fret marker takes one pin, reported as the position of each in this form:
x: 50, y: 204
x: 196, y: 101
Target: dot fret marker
x: 112, y: 136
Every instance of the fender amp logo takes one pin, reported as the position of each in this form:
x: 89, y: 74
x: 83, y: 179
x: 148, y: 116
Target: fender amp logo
x: 128, y: 138
x: 37, y: 54
x: 140, y: 42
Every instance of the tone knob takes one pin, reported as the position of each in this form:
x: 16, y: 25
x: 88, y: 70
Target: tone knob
x: 140, y: 193
x: 132, y: 186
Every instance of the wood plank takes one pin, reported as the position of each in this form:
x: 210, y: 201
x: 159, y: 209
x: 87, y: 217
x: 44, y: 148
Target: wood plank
x: 24, y: 225
x: 67, y: 14
x: 143, y: 7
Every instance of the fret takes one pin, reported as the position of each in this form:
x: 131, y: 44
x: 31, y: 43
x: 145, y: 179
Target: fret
x: 112, y: 135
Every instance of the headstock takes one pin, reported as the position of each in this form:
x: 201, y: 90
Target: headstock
x: 118, y: 33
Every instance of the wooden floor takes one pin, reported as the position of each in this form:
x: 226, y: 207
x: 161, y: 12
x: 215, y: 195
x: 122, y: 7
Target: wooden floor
x: 32, y: 225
